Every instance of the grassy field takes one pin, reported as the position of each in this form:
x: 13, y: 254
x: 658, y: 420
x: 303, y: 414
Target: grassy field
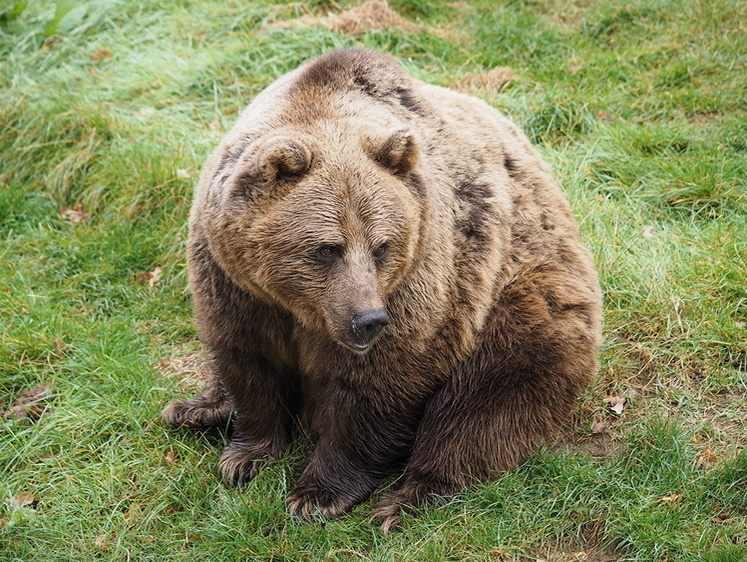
x: 107, y: 111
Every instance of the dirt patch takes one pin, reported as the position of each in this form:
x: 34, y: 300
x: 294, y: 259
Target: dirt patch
x: 190, y: 368
x: 374, y: 14
x: 491, y: 80
x: 580, y: 556
x: 600, y: 445
x: 31, y: 404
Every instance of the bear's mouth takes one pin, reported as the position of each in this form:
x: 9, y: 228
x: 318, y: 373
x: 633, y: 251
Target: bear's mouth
x: 357, y: 347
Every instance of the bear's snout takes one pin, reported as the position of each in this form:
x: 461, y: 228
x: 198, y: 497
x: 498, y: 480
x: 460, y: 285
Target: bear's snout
x: 367, y: 325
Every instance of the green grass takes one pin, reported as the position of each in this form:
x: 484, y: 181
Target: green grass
x: 639, y: 106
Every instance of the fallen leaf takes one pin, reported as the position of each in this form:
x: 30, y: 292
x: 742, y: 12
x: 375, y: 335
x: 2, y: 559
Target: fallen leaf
x: 707, y: 455
x: 740, y: 324
x: 171, y: 458
x: 214, y: 125
x: 31, y: 403
x: 134, y: 513
x: 155, y: 276
x: 648, y: 232
x: 672, y: 499
x: 61, y: 347
x: 24, y: 500
x: 101, y: 54
x: 615, y: 404
x: 598, y: 427
x: 149, y: 277
x: 76, y: 214
x: 604, y: 116
x: 576, y: 64
x: 721, y: 518
x: 101, y: 542
x: 183, y: 174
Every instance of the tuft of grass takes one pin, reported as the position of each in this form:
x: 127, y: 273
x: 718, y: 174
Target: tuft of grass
x: 640, y: 109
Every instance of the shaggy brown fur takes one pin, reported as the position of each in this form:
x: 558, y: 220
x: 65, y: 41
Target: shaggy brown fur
x: 390, y: 263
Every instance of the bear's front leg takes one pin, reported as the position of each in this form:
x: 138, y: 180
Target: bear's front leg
x: 262, y: 397
x: 331, y: 484
x: 365, y: 441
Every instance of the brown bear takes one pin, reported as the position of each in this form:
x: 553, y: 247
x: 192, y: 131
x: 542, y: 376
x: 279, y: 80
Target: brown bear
x: 390, y: 264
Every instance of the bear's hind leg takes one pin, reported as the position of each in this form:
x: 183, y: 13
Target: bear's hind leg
x: 503, y: 402
x: 211, y: 409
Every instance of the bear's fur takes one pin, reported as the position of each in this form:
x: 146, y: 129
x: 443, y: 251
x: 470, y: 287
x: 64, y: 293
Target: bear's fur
x: 391, y: 264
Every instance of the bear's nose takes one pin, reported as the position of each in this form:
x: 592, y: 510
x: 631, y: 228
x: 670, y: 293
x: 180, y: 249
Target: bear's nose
x: 368, y: 324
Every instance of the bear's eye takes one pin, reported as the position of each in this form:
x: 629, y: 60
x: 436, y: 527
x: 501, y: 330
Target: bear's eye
x: 329, y: 252
x: 381, y: 251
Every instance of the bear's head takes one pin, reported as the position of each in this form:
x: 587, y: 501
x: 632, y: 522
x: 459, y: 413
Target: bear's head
x: 324, y: 223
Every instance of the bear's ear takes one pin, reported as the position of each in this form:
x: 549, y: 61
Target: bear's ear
x: 398, y: 152
x: 281, y: 158
x: 268, y: 165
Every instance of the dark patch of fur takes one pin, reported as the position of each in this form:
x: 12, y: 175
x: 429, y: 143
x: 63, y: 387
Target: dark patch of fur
x: 415, y: 182
x: 408, y: 99
x: 473, y: 195
x: 511, y: 166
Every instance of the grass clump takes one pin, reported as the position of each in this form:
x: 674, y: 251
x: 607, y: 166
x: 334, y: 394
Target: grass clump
x: 104, y: 123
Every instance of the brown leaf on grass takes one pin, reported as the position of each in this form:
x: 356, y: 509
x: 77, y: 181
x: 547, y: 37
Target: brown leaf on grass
x: 31, y: 403
x: 672, y: 499
x: 76, y: 214
x: 721, y: 518
x: 707, y: 455
x: 24, y: 500
x: 615, y: 404
x: 604, y: 116
x: 134, y: 513
x: 149, y: 278
x: 598, y: 427
x: 61, y: 348
x: 171, y: 458
x: 576, y: 64
x: 101, y: 54
x: 102, y: 542
x: 491, y: 80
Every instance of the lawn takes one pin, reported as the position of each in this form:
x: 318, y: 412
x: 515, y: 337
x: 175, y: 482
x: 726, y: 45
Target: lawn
x: 107, y: 111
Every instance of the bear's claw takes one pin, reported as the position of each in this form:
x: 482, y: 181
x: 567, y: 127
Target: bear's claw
x: 200, y: 413
x: 312, y: 502
x: 389, y: 515
x: 240, y: 462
